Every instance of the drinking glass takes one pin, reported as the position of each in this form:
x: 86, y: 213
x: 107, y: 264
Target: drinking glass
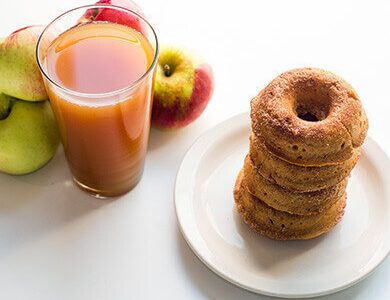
x: 105, y: 134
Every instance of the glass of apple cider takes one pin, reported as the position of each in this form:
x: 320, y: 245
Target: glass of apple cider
x: 99, y: 77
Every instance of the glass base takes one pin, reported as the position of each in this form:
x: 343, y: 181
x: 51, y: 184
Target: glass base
x: 101, y: 194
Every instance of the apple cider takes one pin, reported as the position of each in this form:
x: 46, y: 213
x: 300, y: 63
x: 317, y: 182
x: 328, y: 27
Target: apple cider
x: 105, y: 123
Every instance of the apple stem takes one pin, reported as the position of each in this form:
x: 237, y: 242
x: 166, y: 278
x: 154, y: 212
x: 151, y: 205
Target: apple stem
x: 167, y: 70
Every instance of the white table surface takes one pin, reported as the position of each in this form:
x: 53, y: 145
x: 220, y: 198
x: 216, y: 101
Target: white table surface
x: 131, y: 248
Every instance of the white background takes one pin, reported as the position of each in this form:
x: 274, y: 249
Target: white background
x: 131, y: 248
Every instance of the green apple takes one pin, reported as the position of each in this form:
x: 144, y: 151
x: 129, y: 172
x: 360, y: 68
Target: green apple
x: 19, y: 73
x: 28, y: 135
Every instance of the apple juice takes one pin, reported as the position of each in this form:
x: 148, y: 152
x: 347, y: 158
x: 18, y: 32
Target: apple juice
x: 105, y: 124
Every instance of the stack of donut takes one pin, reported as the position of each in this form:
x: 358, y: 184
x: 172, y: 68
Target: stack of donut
x: 307, y: 129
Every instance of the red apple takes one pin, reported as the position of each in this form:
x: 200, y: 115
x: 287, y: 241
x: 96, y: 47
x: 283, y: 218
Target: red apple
x: 115, y: 16
x: 19, y: 73
x: 183, y: 88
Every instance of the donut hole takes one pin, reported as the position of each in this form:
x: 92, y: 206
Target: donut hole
x: 308, y: 116
x: 312, y: 102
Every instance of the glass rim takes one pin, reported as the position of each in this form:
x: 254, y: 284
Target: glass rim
x: 97, y: 95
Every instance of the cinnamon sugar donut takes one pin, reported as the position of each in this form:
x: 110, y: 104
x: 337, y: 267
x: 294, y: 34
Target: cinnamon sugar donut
x: 287, y: 200
x: 309, y: 117
x: 282, y: 225
x: 301, y: 178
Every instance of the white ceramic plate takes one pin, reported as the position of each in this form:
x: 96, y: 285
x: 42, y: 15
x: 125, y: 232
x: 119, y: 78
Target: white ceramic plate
x: 294, y: 269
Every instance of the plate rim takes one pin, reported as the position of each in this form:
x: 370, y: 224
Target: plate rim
x: 203, y: 257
